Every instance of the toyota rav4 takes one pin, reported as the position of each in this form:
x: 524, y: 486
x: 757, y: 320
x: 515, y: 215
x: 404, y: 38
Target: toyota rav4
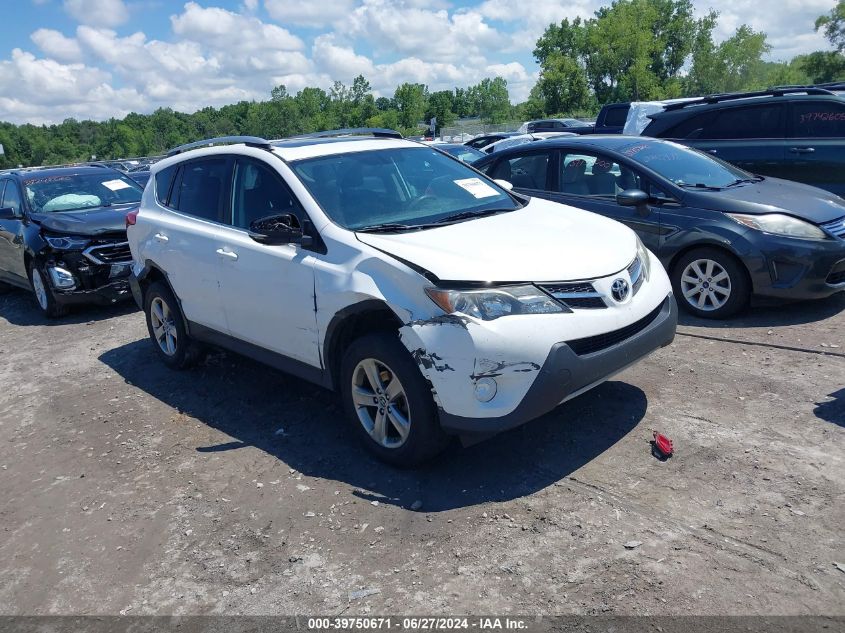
x: 434, y: 299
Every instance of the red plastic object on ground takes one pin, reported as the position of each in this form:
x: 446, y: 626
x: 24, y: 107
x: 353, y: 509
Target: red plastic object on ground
x: 662, y: 446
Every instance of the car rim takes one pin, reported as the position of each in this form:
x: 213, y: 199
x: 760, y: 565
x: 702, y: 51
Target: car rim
x: 164, y: 326
x: 381, y: 403
x: 706, y: 285
x: 39, y: 289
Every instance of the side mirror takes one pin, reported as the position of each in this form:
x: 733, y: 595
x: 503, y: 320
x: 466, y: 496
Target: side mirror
x: 634, y: 198
x: 8, y: 213
x: 278, y: 229
x: 504, y: 184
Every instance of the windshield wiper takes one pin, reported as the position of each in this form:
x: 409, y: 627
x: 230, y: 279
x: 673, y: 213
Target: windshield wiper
x: 390, y: 228
x: 742, y: 181
x: 699, y: 185
x: 467, y: 215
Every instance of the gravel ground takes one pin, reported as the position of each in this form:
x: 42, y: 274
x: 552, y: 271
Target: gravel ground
x: 231, y: 488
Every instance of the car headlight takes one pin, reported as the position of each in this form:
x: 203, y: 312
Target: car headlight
x: 67, y: 243
x: 780, y: 224
x: 491, y: 303
x: 645, y: 260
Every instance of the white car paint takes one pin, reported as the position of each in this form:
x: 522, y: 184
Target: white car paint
x: 522, y: 139
x: 284, y: 298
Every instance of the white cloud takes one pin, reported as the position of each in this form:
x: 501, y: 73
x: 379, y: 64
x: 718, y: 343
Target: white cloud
x: 98, y: 12
x: 308, y: 13
x: 56, y: 45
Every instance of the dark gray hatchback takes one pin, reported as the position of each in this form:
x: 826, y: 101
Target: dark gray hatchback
x: 723, y: 234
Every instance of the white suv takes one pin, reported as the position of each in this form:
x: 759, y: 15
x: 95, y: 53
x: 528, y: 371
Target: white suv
x: 435, y: 300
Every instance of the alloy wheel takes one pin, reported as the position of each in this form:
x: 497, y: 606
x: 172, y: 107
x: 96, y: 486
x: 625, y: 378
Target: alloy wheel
x: 39, y: 289
x: 164, y: 326
x: 706, y: 285
x: 381, y: 403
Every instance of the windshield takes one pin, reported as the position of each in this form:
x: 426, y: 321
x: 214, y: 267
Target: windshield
x: 463, y: 152
x: 402, y: 186
x: 684, y: 166
x: 78, y: 192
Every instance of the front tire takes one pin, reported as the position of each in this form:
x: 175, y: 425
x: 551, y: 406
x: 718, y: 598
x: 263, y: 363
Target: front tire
x: 711, y: 283
x: 167, y: 328
x: 44, y: 294
x: 389, y: 402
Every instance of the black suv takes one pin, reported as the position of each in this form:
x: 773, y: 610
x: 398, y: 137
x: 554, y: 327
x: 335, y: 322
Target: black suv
x: 63, y: 234
x: 792, y: 133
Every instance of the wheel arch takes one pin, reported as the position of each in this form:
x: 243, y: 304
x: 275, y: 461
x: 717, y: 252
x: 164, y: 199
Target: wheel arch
x: 718, y: 246
x: 153, y: 273
x: 350, y: 323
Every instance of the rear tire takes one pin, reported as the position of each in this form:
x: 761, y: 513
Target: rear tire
x: 396, y: 419
x: 711, y: 283
x: 44, y: 297
x: 166, y: 328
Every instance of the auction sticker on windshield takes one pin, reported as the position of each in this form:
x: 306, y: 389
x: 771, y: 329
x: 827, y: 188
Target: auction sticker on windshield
x: 116, y: 185
x: 476, y: 187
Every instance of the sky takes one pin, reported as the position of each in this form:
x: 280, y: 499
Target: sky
x: 95, y: 59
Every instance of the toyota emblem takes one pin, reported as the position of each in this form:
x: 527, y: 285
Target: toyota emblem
x: 619, y: 290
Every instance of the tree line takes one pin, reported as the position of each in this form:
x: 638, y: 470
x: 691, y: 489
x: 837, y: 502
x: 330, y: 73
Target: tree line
x: 630, y: 50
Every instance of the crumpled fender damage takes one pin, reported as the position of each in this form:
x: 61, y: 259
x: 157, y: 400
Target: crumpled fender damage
x: 466, y: 352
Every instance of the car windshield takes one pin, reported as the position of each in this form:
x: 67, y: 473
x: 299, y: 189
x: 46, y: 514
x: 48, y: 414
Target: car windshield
x: 684, y: 166
x: 78, y: 192
x: 399, y: 188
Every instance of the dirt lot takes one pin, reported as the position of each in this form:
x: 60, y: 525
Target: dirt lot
x: 231, y: 488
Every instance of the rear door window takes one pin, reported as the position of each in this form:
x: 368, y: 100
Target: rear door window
x: 616, y: 117
x: 525, y: 171
x: 164, y: 179
x: 200, y: 188
x: 763, y: 121
x: 819, y: 119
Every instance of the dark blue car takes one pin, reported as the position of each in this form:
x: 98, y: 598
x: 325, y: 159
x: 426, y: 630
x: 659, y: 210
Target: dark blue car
x: 723, y: 234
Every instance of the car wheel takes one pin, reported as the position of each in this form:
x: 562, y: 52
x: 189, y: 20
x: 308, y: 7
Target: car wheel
x: 389, y: 402
x: 167, y: 328
x: 44, y: 294
x: 710, y: 283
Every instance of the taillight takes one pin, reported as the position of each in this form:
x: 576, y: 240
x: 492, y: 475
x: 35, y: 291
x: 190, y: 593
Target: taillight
x: 131, y: 218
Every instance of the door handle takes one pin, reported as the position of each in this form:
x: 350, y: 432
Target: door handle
x: 227, y: 254
x: 802, y: 150
x: 161, y: 237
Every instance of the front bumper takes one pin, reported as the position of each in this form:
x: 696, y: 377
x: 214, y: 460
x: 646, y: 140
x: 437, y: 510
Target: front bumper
x: 565, y: 374
x: 797, y: 269
x: 112, y: 292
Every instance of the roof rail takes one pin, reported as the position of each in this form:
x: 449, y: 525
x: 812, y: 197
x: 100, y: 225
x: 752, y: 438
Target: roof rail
x: 731, y: 96
x: 252, y: 141
x: 378, y: 132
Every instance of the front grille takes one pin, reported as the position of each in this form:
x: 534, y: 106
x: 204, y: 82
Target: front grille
x: 599, y: 342
x: 572, y: 288
x: 111, y: 253
x: 585, y: 302
x: 579, y: 295
x: 837, y: 227
x: 837, y: 274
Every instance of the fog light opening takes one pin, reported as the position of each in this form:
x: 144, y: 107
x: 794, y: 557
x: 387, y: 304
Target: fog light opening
x: 62, y: 279
x: 485, y: 389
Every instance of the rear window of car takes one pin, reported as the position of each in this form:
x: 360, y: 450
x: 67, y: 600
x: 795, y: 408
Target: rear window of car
x: 164, y: 179
x: 616, y: 116
x: 818, y: 120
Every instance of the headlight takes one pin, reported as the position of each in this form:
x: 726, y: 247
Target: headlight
x: 779, y: 224
x: 645, y: 260
x: 67, y: 243
x: 492, y: 303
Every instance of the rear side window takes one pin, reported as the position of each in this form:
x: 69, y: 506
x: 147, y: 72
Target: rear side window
x: 616, y: 117
x: 764, y: 121
x: 199, y: 188
x: 690, y: 128
x: 527, y: 171
x: 164, y: 179
x: 818, y: 120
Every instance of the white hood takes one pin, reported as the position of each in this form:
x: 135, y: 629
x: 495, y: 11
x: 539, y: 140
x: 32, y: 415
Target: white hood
x: 544, y: 241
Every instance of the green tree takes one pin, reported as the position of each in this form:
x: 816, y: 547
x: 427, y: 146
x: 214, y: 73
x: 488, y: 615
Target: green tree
x: 491, y: 99
x: 410, y: 100
x: 441, y: 106
x: 833, y: 24
x: 562, y: 87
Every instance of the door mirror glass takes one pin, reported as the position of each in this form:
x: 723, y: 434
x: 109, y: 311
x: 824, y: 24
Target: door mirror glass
x: 632, y: 198
x: 278, y: 229
x: 8, y: 213
x: 504, y: 184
